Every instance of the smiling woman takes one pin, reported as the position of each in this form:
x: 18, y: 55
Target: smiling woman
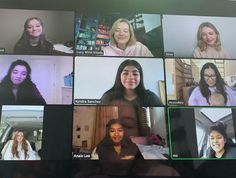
x: 123, y: 41
x: 115, y: 148
x: 220, y: 145
x: 18, y: 148
x: 129, y: 89
x: 17, y: 88
x: 33, y: 40
x: 211, y: 82
x: 209, y: 44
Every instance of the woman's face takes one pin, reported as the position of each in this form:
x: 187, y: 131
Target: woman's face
x: 122, y: 34
x: 210, y: 77
x: 34, y: 28
x: 116, y: 133
x: 19, y: 137
x: 217, y: 141
x: 209, y: 36
x: 130, y: 77
x: 18, y: 74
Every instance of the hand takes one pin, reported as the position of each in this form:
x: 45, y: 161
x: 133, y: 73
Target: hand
x: 130, y: 157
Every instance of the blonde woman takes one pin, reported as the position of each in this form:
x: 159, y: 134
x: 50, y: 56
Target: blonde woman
x: 209, y: 44
x: 123, y: 41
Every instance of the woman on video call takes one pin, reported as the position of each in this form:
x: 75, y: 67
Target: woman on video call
x: 211, y: 82
x: 18, y: 149
x: 123, y: 41
x: 220, y: 145
x: 209, y: 44
x: 17, y: 88
x: 129, y: 89
x: 116, y: 152
x: 33, y: 40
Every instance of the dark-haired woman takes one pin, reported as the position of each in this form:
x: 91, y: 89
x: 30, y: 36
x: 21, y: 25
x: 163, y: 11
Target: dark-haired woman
x: 129, y: 89
x: 33, y: 40
x: 211, y: 82
x: 18, y: 148
x: 117, y: 153
x: 219, y: 143
x: 17, y: 88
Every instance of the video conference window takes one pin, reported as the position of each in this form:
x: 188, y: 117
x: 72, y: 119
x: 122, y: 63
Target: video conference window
x: 36, y: 79
x: 21, y: 131
x: 36, y: 32
x: 202, y: 133
x: 204, y: 82
x: 119, y: 81
x: 141, y: 133
x: 119, y: 34
x: 199, y: 36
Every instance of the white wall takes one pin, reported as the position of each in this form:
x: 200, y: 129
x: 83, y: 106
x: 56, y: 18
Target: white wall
x: 180, y: 33
x: 47, y: 73
x: 151, y: 21
x: 94, y: 76
x: 59, y: 26
x: 160, y: 127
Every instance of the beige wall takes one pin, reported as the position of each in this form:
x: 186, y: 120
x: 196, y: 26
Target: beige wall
x: 83, y: 118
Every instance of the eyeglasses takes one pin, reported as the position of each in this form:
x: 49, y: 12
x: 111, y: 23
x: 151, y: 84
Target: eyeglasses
x: 209, y: 76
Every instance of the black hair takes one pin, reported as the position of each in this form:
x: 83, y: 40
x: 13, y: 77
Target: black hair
x: 220, y: 84
x: 221, y: 128
x: 118, y: 89
x: 7, y: 79
x: 107, y: 140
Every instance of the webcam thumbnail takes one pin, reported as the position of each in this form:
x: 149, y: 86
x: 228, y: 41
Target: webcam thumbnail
x: 106, y: 81
x: 116, y: 34
x: 205, y: 82
x: 36, y: 79
x: 199, y: 36
x: 28, y: 132
x: 21, y: 132
x: 140, y: 132
x: 37, y: 32
x: 202, y: 133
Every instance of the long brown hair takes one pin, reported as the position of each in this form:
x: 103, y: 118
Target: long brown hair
x: 15, y: 145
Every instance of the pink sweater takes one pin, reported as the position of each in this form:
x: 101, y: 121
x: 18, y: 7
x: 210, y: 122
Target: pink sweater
x: 138, y: 49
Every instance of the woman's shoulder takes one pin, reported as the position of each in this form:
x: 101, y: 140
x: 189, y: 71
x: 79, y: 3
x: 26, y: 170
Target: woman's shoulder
x: 151, y: 99
x: 143, y: 49
x: 111, y: 50
x: 107, y: 97
x: 197, y: 52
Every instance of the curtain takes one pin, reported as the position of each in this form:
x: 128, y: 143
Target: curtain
x: 103, y: 115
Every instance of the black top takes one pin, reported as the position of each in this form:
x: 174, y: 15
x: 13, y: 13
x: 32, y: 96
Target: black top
x: 110, y: 161
x: 31, y: 95
x: 230, y: 152
x: 148, y: 99
x: 45, y: 49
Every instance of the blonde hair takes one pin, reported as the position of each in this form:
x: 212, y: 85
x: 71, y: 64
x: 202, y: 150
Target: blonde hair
x: 132, y: 38
x: 201, y: 44
x: 216, y: 99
